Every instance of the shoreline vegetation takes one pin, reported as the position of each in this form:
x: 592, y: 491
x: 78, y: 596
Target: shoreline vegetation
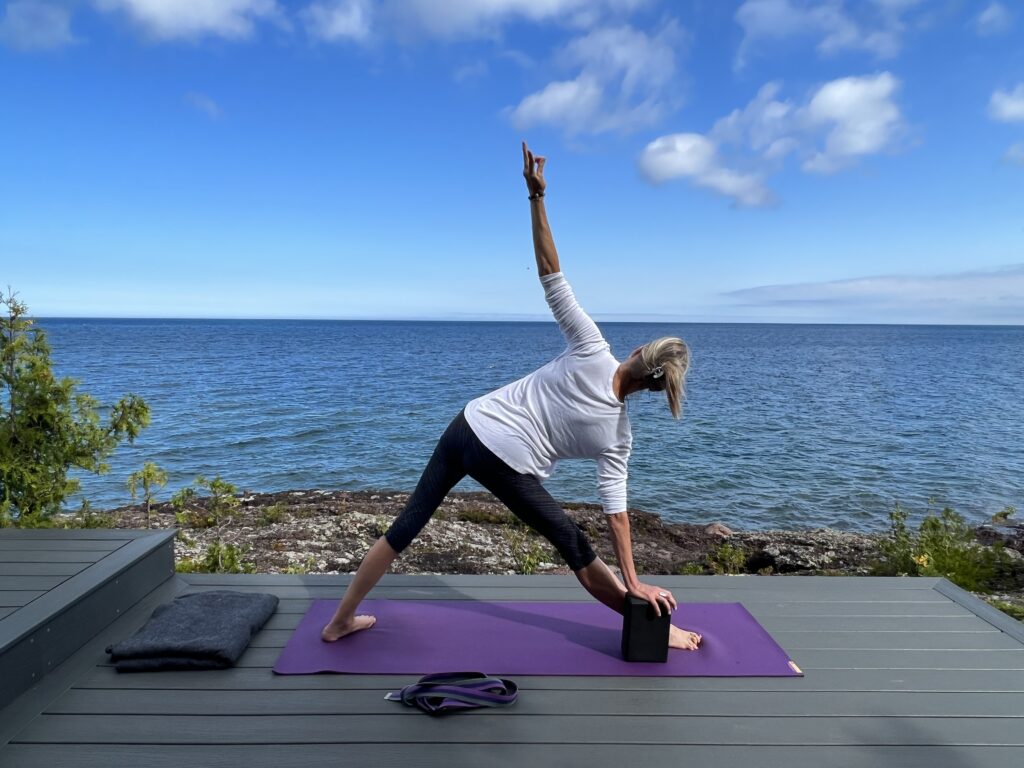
x: 328, y: 531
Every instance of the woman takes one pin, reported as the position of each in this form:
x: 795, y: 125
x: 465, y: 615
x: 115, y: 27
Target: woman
x: 509, y: 439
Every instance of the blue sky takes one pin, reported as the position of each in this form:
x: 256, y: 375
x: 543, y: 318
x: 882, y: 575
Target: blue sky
x: 764, y: 160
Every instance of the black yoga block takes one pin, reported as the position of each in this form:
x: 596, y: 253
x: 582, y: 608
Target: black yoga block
x: 644, y: 635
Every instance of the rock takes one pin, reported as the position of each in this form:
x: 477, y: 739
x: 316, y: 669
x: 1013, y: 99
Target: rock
x: 717, y: 529
x: 1011, y: 535
x: 801, y: 551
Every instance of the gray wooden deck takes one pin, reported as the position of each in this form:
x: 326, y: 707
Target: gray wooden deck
x: 897, y: 672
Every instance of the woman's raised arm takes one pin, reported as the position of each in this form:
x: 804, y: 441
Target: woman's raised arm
x: 543, y: 243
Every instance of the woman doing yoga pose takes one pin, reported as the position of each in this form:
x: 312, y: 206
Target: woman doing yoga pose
x: 509, y: 439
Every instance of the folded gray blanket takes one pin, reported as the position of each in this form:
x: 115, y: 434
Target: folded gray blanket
x: 203, y: 630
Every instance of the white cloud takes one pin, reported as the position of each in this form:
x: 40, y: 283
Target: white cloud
x: 204, y: 104
x: 861, y: 119
x: 841, y: 122
x: 994, y: 20
x: 1015, y: 154
x: 1007, y: 106
x: 334, y: 20
x: 875, y: 27
x: 570, y: 103
x: 189, y: 19
x: 484, y: 18
x: 695, y: 157
x: 624, y: 83
x: 996, y: 295
x: 30, y: 25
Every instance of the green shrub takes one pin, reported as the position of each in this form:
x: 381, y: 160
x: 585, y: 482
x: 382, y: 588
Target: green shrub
x: 944, y: 545
x: 47, y: 428
x: 1004, y: 515
x: 150, y: 475
x: 527, y: 551
x: 219, y: 558
x: 86, y: 518
x: 727, y: 559
x: 898, y: 548
x: 217, y: 508
x: 275, y: 513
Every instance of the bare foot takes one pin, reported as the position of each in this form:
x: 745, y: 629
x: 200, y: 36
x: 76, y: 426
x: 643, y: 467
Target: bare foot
x: 681, y: 638
x: 334, y: 631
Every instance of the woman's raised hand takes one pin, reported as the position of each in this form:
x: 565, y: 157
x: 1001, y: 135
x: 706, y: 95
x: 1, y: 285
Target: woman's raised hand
x: 533, y: 172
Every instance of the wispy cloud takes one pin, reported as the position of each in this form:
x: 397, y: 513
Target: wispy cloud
x: 204, y: 104
x: 486, y: 18
x: 995, y: 19
x: 334, y: 20
x: 181, y: 20
x: 993, y: 295
x: 471, y: 71
x: 1007, y: 106
x: 841, y: 122
x: 32, y: 25
x: 876, y: 27
x: 623, y: 83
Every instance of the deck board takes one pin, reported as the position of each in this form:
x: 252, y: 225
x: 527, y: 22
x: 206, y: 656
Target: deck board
x: 839, y: 680
x: 897, y: 673
x: 820, y: 640
x: 8, y: 568
x: 490, y: 726
x: 447, y: 755
x: 23, y: 544
x: 542, y: 701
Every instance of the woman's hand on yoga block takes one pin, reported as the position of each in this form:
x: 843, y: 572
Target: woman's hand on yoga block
x: 656, y: 596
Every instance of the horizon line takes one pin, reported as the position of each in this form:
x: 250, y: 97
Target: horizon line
x: 522, y: 319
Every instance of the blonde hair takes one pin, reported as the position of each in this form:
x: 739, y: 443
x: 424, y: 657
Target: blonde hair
x: 667, y: 360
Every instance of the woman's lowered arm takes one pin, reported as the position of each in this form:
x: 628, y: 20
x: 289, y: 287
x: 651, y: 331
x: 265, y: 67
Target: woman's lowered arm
x: 543, y: 243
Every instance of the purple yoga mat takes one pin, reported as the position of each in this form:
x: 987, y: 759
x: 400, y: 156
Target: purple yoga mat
x: 418, y: 637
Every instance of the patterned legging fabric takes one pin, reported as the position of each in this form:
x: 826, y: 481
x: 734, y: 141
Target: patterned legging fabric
x: 459, y: 452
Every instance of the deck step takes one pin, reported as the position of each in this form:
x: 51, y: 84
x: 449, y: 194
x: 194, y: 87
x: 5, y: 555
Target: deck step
x: 46, y: 614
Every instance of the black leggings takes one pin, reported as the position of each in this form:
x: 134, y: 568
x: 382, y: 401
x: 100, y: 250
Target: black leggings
x: 459, y: 452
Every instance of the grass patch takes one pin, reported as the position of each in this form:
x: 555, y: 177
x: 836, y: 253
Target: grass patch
x: 1013, y: 610
x: 690, y: 569
x: 483, y: 516
x: 306, y: 566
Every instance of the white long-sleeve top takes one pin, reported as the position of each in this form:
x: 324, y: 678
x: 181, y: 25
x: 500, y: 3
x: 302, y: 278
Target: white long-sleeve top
x: 563, y: 410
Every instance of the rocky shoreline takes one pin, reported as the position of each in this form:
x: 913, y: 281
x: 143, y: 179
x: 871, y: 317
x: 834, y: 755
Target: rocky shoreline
x: 321, y: 531
x: 325, y: 531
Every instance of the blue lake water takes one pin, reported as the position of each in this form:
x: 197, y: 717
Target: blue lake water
x: 783, y: 426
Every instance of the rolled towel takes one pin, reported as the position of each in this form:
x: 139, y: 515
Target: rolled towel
x: 202, y: 630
